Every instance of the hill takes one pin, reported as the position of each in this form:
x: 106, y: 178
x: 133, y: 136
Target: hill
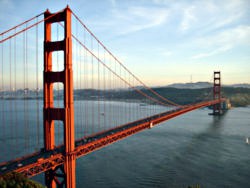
x: 200, y: 85
x: 15, y: 180
x: 237, y: 96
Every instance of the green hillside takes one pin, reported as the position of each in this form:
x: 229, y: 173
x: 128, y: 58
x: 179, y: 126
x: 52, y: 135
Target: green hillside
x: 237, y: 96
x: 15, y: 180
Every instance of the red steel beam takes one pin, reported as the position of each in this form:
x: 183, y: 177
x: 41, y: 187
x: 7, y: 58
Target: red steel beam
x: 41, y: 165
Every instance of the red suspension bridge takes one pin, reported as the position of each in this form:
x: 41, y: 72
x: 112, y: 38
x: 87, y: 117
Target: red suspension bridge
x: 50, y: 119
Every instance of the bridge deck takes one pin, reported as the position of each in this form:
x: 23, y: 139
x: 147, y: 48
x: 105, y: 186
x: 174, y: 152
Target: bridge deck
x: 44, y: 160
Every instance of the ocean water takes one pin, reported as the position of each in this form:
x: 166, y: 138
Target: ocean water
x: 192, y: 149
x: 189, y: 150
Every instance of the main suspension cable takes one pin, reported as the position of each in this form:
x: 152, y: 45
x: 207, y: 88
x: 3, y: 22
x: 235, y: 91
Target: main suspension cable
x: 111, y: 54
x: 27, y: 28
x: 133, y: 87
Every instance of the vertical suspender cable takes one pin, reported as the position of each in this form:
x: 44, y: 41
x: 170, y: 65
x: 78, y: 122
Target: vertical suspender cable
x: 131, y: 93
x: 9, y: 115
x: 104, y: 89
x: 92, y: 86
x: 2, y: 91
x: 110, y: 95
x: 85, y: 68
x: 98, y: 87
x: 15, y: 90
x: 27, y: 86
x: 10, y: 95
x: 81, y: 86
x: 37, y: 92
x: 113, y: 106
x: 76, y: 85
x: 75, y: 64
x: 121, y: 96
x: 125, y: 104
x: 81, y: 89
x: 24, y: 94
x: 115, y: 89
x: 133, y: 102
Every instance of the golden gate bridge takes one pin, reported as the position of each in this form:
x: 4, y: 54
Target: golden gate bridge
x: 51, y: 118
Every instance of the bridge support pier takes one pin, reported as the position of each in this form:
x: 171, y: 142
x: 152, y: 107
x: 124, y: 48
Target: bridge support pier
x: 65, y: 114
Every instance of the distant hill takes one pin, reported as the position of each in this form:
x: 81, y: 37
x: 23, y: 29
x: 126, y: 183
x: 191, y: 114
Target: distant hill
x: 239, y: 94
x: 197, y: 85
x: 200, y: 85
x: 238, y: 85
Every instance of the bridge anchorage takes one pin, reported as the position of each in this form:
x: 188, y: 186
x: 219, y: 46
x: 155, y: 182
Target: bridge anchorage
x: 58, y: 162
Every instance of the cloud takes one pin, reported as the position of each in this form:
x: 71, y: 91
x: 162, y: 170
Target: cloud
x: 6, y: 7
x: 6, y: 4
x: 212, y: 53
x: 135, y: 19
x: 198, y: 17
x: 223, y: 41
x: 233, y: 36
x: 207, y: 16
x: 167, y: 53
x: 163, y: 52
x: 188, y: 18
x: 223, y: 14
x: 123, y: 19
x: 113, y: 2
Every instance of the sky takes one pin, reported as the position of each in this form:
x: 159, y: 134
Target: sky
x: 160, y: 41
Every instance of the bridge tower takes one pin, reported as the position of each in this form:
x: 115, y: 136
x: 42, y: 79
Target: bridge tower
x: 53, y: 177
x: 217, y: 93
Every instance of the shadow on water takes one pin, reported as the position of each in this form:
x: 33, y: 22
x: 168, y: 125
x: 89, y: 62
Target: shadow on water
x: 199, y: 160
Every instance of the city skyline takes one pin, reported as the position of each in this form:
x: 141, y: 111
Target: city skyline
x: 162, y: 42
